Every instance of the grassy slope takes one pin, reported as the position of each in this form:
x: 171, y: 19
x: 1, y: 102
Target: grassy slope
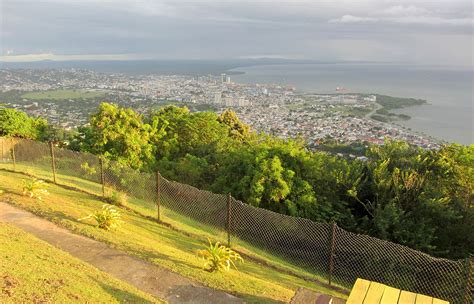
x: 62, y: 94
x: 34, y: 271
x: 156, y: 243
x: 199, y: 230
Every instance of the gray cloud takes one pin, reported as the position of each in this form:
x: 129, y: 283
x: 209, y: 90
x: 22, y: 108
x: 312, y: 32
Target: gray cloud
x: 425, y: 31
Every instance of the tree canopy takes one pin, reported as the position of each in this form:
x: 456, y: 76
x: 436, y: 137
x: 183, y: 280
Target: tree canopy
x: 412, y: 196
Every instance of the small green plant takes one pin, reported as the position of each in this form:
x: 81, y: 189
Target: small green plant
x: 219, y: 257
x: 35, y: 188
x: 117, y: 198
x: 88, y: 169
x: 107, y: 218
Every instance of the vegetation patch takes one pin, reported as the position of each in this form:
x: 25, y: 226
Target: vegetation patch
x: 32, y: 271
x: 62, y: 94
x: 158, y: 244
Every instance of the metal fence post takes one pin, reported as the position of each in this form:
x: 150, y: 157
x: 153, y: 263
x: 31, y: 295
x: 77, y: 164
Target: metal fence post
x: 53, y: 160
x: 102, y: 176
x: 469, y: 284
x: 229, y: 221
x: 158, y: 194
x: 331, y: 253
x: 13, y: 155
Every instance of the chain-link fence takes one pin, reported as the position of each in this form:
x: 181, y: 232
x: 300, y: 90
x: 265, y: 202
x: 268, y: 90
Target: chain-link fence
x: 319, y: 252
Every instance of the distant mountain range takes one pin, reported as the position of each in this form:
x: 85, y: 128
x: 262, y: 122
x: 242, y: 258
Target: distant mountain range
x: 166, y: 67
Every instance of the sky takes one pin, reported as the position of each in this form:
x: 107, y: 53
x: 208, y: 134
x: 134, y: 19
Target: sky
x: 424, y: 32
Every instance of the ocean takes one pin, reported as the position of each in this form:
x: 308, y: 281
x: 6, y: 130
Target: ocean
x: 448, y: 91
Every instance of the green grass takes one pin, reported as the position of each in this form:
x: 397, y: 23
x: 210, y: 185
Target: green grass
x: 62, y: 94
x: 182, y: 223
x: 158, y: 244
x: 32, y: 271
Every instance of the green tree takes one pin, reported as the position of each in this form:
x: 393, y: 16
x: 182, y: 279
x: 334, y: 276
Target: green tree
x: 119, y: 134
x: 18, y: 124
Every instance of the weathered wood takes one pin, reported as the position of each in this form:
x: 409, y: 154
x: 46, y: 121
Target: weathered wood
x: 102, y: 175
x: 13, y: 155
x: 158, y: 195
x: 358, y: 292
x: 331, y: 253
x: 229, y: 219
x: 53, y: 160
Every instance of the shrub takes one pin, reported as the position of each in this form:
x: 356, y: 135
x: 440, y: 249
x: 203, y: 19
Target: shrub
x: 107, y: 218
x: 34, y: 188
x: 117, y: 198
x: 219, y: 257
x: 88, y: 169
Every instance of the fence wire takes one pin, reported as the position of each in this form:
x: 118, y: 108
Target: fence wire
x: 321, y: 250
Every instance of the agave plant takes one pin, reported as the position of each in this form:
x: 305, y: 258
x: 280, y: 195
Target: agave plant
x: 219, y: 257
x: 107, y: 218
x: 35, y: 188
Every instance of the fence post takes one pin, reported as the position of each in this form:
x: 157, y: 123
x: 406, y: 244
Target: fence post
x: 102, y: 176
x: 13, y: 155
x: 229, y: 214
x: 53, y: 160
x: 469, y: 283
x: 331, y: 253
x: 158, y: 194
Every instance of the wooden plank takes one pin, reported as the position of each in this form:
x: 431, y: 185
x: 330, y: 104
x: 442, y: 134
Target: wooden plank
x: 422, y: 299
x: 358, y: 292
x: 374, y: 294
x: 407, y: 297
x: 390, y: 295
x: 439, y: 301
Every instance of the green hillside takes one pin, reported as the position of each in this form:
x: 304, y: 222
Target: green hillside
x: 62, y: 95
x: 156, y: 243
x: 30, y: 274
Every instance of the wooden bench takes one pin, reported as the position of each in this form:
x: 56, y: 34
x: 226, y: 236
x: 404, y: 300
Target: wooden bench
x: 367, y: 292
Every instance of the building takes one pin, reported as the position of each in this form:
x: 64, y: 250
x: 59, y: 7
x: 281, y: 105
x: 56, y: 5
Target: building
x: 218, y: 98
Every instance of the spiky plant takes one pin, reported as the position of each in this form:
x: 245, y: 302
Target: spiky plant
x: 219, y: 257
x: 107, y: 218
x: 35, y: 188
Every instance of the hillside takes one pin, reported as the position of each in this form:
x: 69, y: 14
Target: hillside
x: 156, y: 243
x: 30, y: 272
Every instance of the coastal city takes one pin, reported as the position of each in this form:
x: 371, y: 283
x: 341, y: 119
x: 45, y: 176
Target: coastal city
x: 67, y: 97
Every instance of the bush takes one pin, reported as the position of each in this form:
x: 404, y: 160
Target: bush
x: 219, y: 257
x: 107, y: 218
x: 117, y: 198
x: 34, y: 188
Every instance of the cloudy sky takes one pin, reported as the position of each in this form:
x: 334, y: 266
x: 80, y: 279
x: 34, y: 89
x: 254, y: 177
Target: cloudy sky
x: 426, y: 32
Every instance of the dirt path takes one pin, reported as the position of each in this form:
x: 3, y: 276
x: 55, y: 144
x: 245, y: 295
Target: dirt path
x: 147, y: 277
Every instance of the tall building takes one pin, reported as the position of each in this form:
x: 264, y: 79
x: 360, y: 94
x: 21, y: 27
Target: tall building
x: 223, y: 78
x: 218, y: 97
x: 227, y: 79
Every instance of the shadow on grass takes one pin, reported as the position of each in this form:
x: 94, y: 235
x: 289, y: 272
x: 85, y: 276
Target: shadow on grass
x: 120, y: 295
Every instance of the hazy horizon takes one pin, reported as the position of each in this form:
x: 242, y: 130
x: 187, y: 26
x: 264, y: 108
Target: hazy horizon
x: 421, y: 32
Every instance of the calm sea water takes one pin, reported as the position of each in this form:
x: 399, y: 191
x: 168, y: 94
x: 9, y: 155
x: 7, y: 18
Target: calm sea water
x: 449, y: 91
